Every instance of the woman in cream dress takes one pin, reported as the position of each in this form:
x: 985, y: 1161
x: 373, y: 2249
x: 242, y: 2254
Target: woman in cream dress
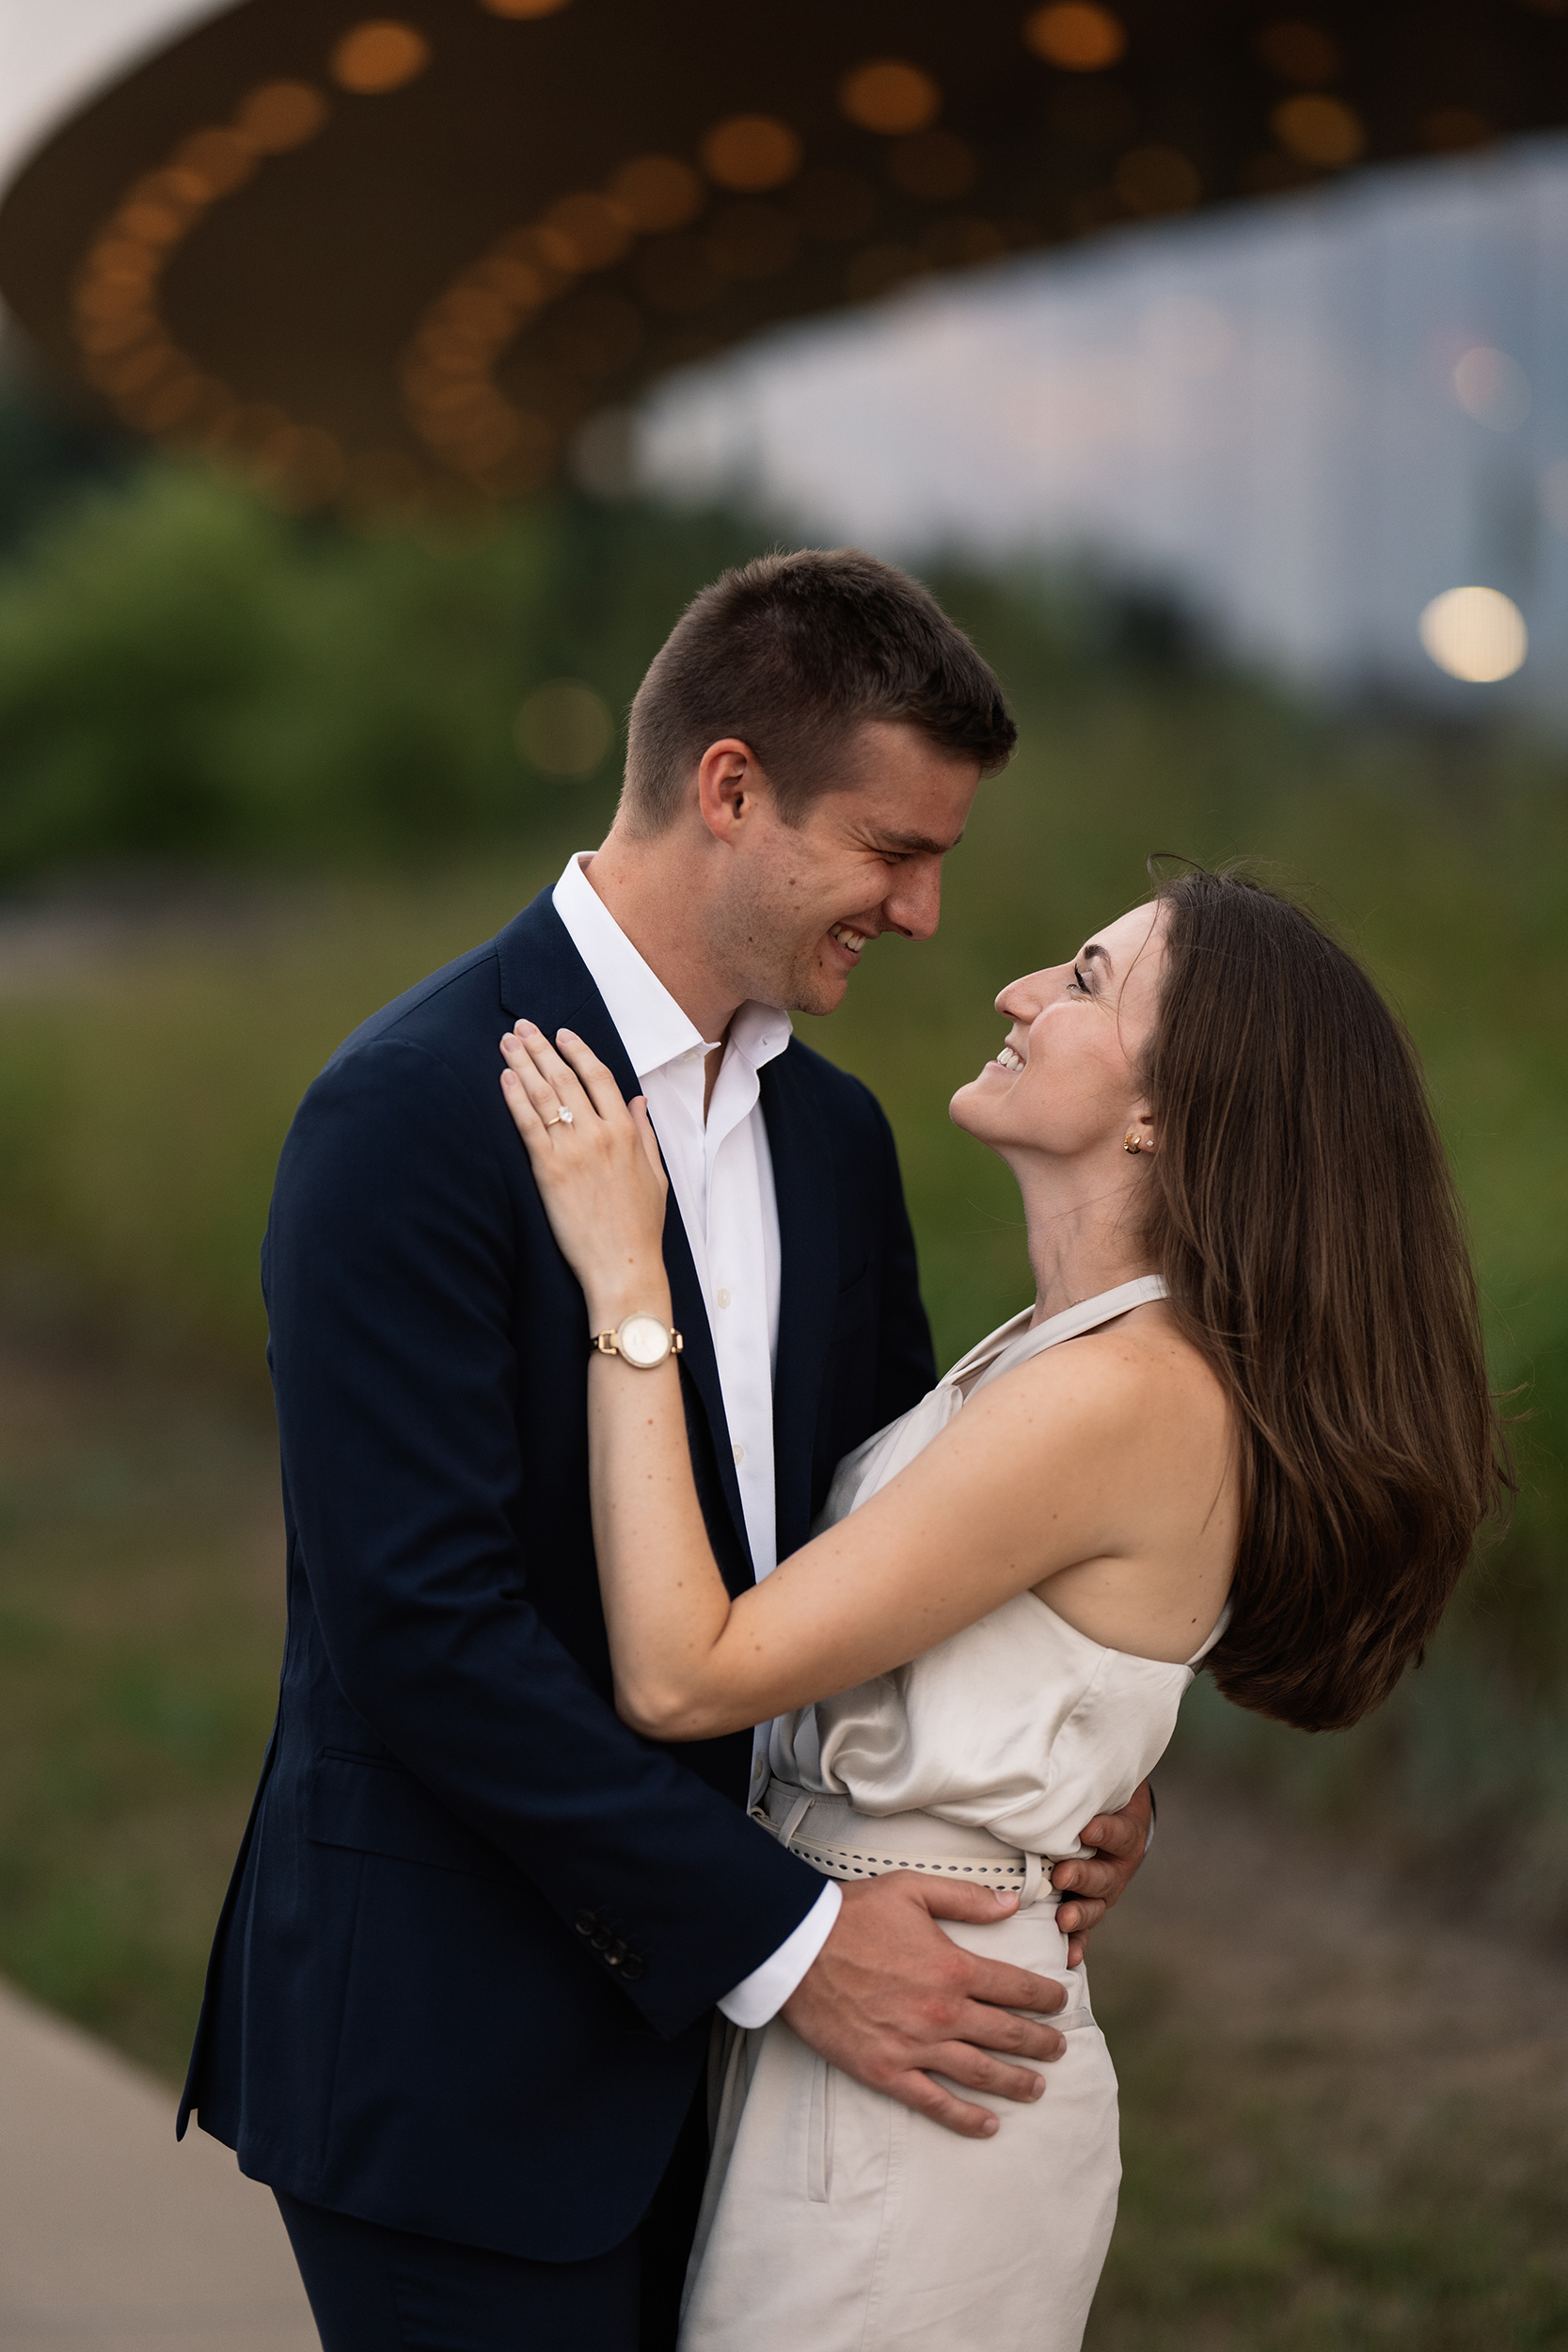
x: 1246, y: 1418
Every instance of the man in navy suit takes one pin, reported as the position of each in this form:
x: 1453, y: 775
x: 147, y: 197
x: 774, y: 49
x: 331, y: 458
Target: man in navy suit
x: 463, y: 1986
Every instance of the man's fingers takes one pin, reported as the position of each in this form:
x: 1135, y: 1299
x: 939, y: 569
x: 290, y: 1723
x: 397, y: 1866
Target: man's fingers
x: 1117, y: 1834
x: 996, y: 1984
x: 976, y: 2071
x: 982, y: 2027
x: 1079, y: 1918
x: 919, y: 2092
x: 1100, y: 1881
x: 949, y: 1899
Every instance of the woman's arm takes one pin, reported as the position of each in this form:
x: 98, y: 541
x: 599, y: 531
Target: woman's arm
x: 1039, y: 1474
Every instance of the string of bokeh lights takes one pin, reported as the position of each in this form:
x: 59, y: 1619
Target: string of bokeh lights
x: 497, y: 445
x: 735, y: 213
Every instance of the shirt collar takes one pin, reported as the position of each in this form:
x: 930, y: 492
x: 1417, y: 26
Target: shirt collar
x: 652, y: 1026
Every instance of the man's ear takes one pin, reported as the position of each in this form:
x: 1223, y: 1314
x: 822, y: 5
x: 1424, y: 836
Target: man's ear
x: 730, y: 782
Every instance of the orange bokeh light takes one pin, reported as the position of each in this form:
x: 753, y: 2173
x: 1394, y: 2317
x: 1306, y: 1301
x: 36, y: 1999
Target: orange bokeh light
x: 750, y: 152
x: 1072, y: 34
x: 890, y: 95
x: 278, y: 116
x: 1320, y: 131
x: 218, y: 161
x: 658, y: 192
x: 379, y: 55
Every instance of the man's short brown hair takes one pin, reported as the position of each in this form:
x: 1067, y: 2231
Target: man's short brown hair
x: 791, y: 654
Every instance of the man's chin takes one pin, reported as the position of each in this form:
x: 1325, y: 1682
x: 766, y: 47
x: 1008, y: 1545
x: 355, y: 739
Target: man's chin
x: 818, y: 987
x: 821, y: 992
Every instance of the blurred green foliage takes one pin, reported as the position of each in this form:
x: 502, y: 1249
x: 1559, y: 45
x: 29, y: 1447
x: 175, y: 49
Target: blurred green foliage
x: 186, y: 676
x: 318, y: 732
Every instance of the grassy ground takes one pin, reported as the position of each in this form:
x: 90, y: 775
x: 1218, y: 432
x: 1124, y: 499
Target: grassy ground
x: 1345, y: 2113
x: 141, y: 1626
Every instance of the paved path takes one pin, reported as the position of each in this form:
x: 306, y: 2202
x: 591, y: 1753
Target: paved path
x: 112, y: 2237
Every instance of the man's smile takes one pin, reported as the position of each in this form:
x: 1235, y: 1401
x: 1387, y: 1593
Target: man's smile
x: 849, y: 940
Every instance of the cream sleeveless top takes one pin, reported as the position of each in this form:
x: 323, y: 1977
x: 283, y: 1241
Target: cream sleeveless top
x: 1020, y: 1724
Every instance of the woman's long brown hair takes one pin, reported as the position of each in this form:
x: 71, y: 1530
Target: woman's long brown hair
x: 1305, y: 1219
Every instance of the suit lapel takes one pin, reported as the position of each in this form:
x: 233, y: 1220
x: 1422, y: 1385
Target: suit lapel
x: 808, y: 1241
x: 544, y: 979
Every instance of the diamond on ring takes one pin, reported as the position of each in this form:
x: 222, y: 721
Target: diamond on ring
x: 561, y: 1119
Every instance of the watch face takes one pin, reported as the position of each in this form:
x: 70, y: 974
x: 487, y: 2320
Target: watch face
x: 642, y: 1340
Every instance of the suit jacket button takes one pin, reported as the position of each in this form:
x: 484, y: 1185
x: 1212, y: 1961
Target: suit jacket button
x: 632, y: 1968
x: 586, y: 1923
x: 602, y: 1938
x: 617, y: 1952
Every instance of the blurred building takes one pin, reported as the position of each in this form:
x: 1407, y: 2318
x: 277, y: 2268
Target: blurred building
x: 1311, y: 417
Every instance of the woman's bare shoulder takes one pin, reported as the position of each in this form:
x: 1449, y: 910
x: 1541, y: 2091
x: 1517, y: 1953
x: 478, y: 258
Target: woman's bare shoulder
x: 1140, y: 1375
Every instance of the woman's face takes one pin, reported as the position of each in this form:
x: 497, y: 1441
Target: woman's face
x: 1065, y: 1082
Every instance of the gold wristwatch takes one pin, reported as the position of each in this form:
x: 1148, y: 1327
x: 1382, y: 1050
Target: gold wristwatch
x: 641, y: 1340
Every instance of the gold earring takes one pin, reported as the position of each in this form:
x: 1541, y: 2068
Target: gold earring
x: 1131, y: 1141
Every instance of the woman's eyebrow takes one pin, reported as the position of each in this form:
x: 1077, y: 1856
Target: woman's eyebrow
x: 1094, y: 948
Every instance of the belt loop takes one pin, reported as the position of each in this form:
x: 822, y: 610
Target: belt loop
x: 794, y: 1817
x: 1031, y: 1880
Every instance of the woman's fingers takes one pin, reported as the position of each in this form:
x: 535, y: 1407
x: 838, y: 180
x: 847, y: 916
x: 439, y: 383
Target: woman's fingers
x: 532, y: 1100
x: 596, y: 1082
x: 638, y: 1107
x: 558, y: 1072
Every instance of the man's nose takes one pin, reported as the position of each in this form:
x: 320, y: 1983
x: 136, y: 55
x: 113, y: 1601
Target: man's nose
x: 914, y: 905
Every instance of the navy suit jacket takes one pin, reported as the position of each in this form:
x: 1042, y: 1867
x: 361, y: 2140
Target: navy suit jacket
x: 463, y: 1979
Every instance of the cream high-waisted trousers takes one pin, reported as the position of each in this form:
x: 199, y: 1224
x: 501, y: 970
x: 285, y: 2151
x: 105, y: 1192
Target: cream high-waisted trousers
x: 836, y: 2221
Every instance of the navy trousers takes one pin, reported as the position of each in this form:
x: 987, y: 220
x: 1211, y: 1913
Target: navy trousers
x: 373, y: 2289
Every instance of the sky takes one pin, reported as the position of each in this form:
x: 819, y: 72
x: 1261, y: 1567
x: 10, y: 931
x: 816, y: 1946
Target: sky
x: 1309, y: 417
x: 53, y: 53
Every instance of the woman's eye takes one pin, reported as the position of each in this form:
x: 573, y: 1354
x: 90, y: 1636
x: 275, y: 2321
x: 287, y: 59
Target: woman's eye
x: 1079, y: 982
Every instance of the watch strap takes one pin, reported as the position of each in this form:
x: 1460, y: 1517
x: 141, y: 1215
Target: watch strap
x: 607, y: 1343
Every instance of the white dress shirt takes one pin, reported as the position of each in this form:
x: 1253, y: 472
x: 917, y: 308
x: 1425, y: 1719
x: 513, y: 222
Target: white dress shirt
x: 721, y: 1173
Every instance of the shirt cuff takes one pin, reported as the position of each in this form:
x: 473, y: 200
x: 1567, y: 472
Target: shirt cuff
x: 758, y: 1998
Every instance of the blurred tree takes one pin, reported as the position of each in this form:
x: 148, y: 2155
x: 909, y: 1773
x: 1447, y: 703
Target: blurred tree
x: 186, y: 675
x: 48, y: 455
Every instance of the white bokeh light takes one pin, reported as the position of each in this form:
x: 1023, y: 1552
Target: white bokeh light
x: 1492, y: 387
x: 1476, y: 634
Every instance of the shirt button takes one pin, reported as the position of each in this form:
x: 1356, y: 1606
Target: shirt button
x: 740, y: 1453
x: 722, y: 1296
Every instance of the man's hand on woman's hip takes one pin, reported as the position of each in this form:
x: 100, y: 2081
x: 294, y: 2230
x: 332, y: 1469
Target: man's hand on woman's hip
x: 892, y: 2000
x: 1120, y: 1842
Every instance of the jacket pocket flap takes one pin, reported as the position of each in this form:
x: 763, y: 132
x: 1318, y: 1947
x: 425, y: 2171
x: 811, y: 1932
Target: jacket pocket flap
x: 376, y: 1807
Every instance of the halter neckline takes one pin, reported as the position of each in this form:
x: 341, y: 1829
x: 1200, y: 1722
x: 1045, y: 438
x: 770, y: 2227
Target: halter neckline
x: 1017, y: 1341
x: 1101, y: 1308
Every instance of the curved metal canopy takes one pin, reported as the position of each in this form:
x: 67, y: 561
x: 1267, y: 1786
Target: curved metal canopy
x: 404, y: 258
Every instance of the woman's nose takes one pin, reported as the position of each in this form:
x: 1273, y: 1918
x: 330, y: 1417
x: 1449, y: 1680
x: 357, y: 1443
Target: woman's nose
x: 1021, y: 999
